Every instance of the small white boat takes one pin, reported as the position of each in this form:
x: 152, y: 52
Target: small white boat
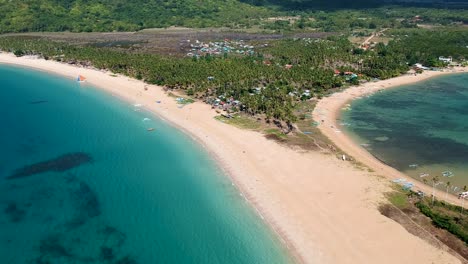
x: 447, y: 174
x: 423, y: 174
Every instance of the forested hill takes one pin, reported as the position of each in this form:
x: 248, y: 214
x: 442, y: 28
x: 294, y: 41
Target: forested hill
x: 335, y: 4
x: 120, y: 15
x: 124, y: 15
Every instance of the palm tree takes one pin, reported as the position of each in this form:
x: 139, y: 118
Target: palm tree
x: 435, y: 180
x: 425, y: 181
x: 447, y: 186
x: 463, y: 201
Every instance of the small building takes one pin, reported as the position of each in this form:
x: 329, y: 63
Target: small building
x: 420, y: 66
x: 463, y: 195
x: 445, y: 59
x: 417, y: 19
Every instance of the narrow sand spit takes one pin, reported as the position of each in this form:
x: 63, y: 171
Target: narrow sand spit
x: 324, y: 209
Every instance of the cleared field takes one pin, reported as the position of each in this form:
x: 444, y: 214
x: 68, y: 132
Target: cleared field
x: 170, y: 41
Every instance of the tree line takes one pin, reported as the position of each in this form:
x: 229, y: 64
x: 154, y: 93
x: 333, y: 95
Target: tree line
x: 274, y: 78
x: 119, y: 15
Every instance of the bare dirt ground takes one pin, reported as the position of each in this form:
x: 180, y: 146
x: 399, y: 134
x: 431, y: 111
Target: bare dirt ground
x: 171, y: 41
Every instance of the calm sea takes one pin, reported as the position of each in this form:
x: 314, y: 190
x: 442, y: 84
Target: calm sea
x: 83, y: 181
x: 419, y: 129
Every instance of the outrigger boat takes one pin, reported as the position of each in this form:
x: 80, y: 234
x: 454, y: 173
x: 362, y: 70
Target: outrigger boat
x: 447, y: 174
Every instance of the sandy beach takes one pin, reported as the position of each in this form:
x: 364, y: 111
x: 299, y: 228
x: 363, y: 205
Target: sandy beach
x: 324, y: 209
x: 328, y: 110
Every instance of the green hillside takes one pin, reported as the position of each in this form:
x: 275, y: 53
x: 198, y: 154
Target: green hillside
x: 121, y: 15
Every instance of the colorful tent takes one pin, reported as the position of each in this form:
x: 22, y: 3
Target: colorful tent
x: 80, y: 78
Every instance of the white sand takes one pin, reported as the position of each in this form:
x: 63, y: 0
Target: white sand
x: 323, y: 208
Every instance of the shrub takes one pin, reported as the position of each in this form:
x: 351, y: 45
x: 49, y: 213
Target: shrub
x: 444, y: 221
x: 18, y: 53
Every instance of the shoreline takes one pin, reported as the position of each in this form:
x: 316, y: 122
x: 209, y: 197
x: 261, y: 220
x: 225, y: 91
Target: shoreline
x: 322, y: 209
x: 287, y: 245
x: 329, y: 109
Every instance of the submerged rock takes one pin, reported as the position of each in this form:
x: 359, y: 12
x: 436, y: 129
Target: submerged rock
x: 75, y: 222
x: 126, y: 260
x: 38, y: 102
x: 113, y: 237
x: 87, y: 201
x: 52, y: 247
x: 62, y: 163
x: 106, y: 253
x: 382, y: 138
x: 14, y: 213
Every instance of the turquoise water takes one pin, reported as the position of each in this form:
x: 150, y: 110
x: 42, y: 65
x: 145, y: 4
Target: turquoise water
x: 418, y: 129
x: 82, y: 181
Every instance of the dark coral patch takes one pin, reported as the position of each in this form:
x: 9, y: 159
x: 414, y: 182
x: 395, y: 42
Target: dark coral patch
x: 62, y: 163
x: 14, y: 213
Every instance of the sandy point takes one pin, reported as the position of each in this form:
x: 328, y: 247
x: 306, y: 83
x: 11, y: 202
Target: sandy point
x: 324, y: 209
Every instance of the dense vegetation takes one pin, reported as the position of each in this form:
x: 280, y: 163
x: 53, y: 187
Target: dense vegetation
x: 274, y: 77
x: 121, y: 15
x: 301, y: 4
x: 424, y: 46
x: 383, y: 17
x: 442, y: 222
x: 446, y: 216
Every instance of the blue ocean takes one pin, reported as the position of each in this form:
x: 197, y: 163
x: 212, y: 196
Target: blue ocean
x: 419, y: 129
x: 83, y: 181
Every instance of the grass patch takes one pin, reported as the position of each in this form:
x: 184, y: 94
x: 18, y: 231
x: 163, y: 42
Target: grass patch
x: 184, y: 101
x: 171, y: 94
x: 276, y: 132
x: 399, y: 199
x: 309, y: 135
x: 276, y: 135
x: 240, y: 121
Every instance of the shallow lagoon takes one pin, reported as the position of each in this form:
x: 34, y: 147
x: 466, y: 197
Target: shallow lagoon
x: 418, y: 129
